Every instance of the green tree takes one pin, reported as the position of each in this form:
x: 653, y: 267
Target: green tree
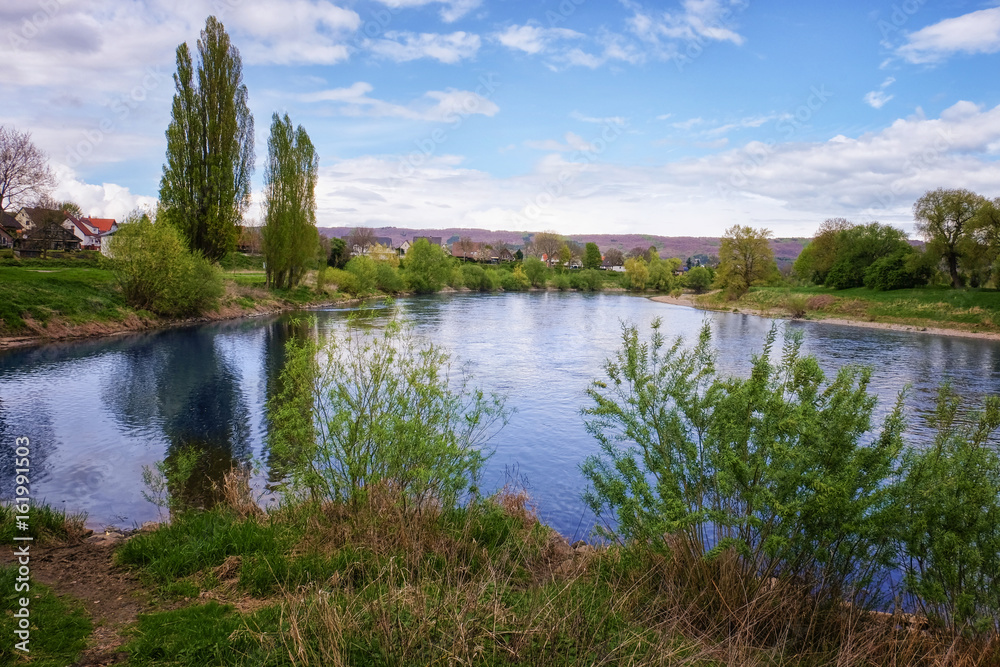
x: 565, y: 255
x: 592, y: 257
x: 426, y: 267
x: 338, y: 253
x: 858, y: 247
x: 745, y: 259
x: 289, y: 236
x: 386, y: 411
x: 158, y: 273
x: 636, y: 273
x: 819, y: 255
x: 205, y: 188
x: 943, y: 218
x: 698, y: 279
x: 534, y: 268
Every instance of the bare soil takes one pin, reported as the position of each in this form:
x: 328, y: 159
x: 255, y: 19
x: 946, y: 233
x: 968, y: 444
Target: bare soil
x: 111, y: 596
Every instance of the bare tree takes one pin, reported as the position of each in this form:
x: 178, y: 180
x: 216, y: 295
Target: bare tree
x: 614, y: 257
x: 465, y: 247
x: 360, y: 239
x: 547, y: 244
x: 24, y: 170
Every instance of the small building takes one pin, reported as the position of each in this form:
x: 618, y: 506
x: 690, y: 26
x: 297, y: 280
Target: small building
x: 10, y: 230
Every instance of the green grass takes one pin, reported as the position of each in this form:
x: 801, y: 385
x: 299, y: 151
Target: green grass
x: 59, y: 627
x: 44, y: 524
x: 966, y: 309
x: 74, y: 295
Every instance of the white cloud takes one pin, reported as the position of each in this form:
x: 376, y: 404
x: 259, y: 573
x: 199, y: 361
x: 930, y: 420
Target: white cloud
x: 976, y: 32
x: 688, y: 124
x: 699, y: 20
x: 534, y: 39
x: 406, y: 46
x: 789, y: 188
x: 607, y: 120
x: 450, y: 12
x: 107, y: 200
x: 878, y: 98
x: 447, y: 106
x: 574, y: 142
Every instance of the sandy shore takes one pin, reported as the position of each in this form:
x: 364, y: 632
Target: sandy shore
x: 688, y: 301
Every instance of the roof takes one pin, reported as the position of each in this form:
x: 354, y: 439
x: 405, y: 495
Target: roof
x: 433, y: 240
x: 8, y: 221
x: 384, y: 240
x: 102, y: 224
x: 81, y: 224
x: 44, y: 216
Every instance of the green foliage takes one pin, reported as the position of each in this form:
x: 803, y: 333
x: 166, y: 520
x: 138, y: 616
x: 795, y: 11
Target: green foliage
x: 587, y: 280
x: 514, y: 281
x: 698, y: 279
x: 47, y: 523
x: 205, y: 188
x: 903, y: 269
x: 59, y: 626
x: 388, y: 411
x: 745, y: 259
x: 535, y: 269
x: 167, y: 481
x: 388, y: 279
x: 857, y: 247
x: 364, y: 269
x: 289, y: 237
x: 426, y: 267
x: 478, y: 279
x: 562, y: 282
x: 636, y: 274
x: 947, y: 219
x: 338, y: 253
x: 773, y: 466
x: 661, y: 274
x: 950, y: 527
x: 156, y: 272
x: 592, y: 256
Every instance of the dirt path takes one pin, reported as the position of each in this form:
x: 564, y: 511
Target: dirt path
x: 112, y: 597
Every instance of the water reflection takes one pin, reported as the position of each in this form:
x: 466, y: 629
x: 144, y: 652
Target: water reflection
x: 98, y: 411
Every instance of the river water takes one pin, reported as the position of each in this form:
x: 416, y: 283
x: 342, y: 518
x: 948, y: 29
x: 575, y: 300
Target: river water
x: 97, y: 411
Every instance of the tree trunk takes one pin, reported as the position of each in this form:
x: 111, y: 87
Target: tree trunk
x: 956, y: 280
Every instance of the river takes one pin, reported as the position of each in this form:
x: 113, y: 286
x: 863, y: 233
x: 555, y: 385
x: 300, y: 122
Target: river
x: 97, y: 411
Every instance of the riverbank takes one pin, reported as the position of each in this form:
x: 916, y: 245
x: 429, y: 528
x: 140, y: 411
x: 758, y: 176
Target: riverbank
x: 377, y: 584
x: 913, y: 311
x: 62, y: 303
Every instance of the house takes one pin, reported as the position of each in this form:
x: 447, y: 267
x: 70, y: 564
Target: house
x: 89, y: 235
x: 433, y: 240
x: 357, y: 249
x: 403, y: 248
x: 36, y: 241
x: 505, y: 255
x: 473, y: 250
x: 10, y: 229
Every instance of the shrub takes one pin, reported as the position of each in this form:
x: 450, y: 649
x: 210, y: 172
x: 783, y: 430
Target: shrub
x: 158, y: 273
x: 387, y: 412
x: 388, y: 278
x: 365, y: 272
x: 778, y: 468
x: 900, y: 270
x: 587, y: 280
x: 344, y: 280
x: 561, y: 282
x: 950, y: 528
x: 535, y: 269
x: 514, y: 281
x: 698, y: 279
x: 478, y: 279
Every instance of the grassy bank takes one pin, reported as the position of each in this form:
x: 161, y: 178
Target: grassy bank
x: 974, y: 310
x: 57, y: 299
x: 487, y: 584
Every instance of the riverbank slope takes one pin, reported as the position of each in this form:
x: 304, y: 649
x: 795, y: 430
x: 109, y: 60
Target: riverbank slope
x: 944, y: 312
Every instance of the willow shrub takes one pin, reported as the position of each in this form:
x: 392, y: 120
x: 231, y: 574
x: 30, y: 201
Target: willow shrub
x: 383, y: 410
x: 157, y: 272
x: 950, y: 530
x: 779, y: 467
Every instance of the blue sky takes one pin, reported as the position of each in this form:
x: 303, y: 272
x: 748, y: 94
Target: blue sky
x: 579, y: 116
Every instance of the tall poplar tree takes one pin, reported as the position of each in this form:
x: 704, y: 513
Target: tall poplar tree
x: 289, y: 236
x: 205, y: 187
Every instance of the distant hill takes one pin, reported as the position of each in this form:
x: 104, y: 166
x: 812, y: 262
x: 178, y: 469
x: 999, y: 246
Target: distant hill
x: 785, y: 250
